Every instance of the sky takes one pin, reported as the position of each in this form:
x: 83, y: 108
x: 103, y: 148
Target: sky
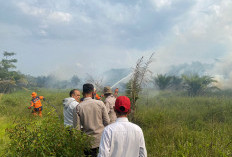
x: 67, y: 37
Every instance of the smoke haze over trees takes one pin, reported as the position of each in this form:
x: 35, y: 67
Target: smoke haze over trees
x: 10, y: 79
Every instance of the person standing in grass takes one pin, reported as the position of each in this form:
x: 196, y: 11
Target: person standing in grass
x: 116, y: 93
x: 91, y: 114
x: 110, y: 102
x: 69, y: 104
x: 122, y: 138
x: 36, y: 103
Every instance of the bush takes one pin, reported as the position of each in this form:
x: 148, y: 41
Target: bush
x: 46, y: 137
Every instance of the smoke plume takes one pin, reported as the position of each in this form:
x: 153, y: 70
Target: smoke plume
x: 222, y: 72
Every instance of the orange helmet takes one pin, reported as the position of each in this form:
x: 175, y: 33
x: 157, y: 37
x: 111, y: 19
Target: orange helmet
x: 33, y: 94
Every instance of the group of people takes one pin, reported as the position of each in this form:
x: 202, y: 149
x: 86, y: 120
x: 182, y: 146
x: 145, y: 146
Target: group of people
x: 106, y: 122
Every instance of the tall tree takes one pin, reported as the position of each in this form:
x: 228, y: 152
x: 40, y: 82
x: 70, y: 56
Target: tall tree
x: 10, y: 79
x: 8, y: 62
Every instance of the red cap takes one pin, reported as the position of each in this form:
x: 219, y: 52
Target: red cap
x: 124, y: 102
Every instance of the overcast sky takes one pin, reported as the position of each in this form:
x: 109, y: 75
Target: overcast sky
x: 69, y: 37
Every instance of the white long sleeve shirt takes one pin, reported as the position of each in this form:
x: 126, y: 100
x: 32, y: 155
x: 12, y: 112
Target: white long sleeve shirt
x: 69, y: 105
x: 122, y: 139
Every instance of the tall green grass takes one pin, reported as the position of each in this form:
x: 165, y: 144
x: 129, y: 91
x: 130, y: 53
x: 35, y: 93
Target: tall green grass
x: 184, y: 126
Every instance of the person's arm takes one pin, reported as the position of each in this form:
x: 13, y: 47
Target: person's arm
x: 104, y: 148
x: 105, y: 116
x: 76, y: 118
x: 142, y: 147
x: 32, y: 104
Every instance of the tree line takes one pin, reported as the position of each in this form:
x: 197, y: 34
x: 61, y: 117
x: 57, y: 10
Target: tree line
x: 12, y: 80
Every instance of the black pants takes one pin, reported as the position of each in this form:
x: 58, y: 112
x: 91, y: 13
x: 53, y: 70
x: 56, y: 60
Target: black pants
x: 92, y: 152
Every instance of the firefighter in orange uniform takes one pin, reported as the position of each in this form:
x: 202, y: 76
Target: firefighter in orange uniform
x: 116, y: 93
x: 36, y: 103
x: 95, y: 95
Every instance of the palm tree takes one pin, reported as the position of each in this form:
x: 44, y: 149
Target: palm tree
x: 176, y: 83
x: 162, y: 81
x: 196, y: 85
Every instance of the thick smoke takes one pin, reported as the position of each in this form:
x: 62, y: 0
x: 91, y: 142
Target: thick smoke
x: 222, y: 72
x: 192, y: 68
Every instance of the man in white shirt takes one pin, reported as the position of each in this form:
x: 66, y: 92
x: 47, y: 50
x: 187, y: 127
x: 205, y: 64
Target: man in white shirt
x: 122, y: 138
x: 69, y: 104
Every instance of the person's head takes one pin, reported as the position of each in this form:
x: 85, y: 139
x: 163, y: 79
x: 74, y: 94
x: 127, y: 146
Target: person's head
x: 107, y: 91
x: 88, y: 90
x: 75, y: 94
x: 33, y: 94
x: 116, y: 90
x: 122, y: 106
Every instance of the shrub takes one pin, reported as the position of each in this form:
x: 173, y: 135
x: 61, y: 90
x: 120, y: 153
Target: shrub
x: 46, y: 137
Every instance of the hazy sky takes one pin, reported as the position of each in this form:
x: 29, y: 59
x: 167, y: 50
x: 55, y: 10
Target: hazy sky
x: 68, y: 37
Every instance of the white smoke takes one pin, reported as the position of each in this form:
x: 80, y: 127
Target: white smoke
x: 222, y: 72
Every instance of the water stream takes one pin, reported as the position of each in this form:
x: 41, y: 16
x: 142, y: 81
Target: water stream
x: 121, y: 80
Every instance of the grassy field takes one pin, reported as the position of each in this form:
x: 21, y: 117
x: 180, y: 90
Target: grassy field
x: 183, y: 126
x: 172, y: 125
